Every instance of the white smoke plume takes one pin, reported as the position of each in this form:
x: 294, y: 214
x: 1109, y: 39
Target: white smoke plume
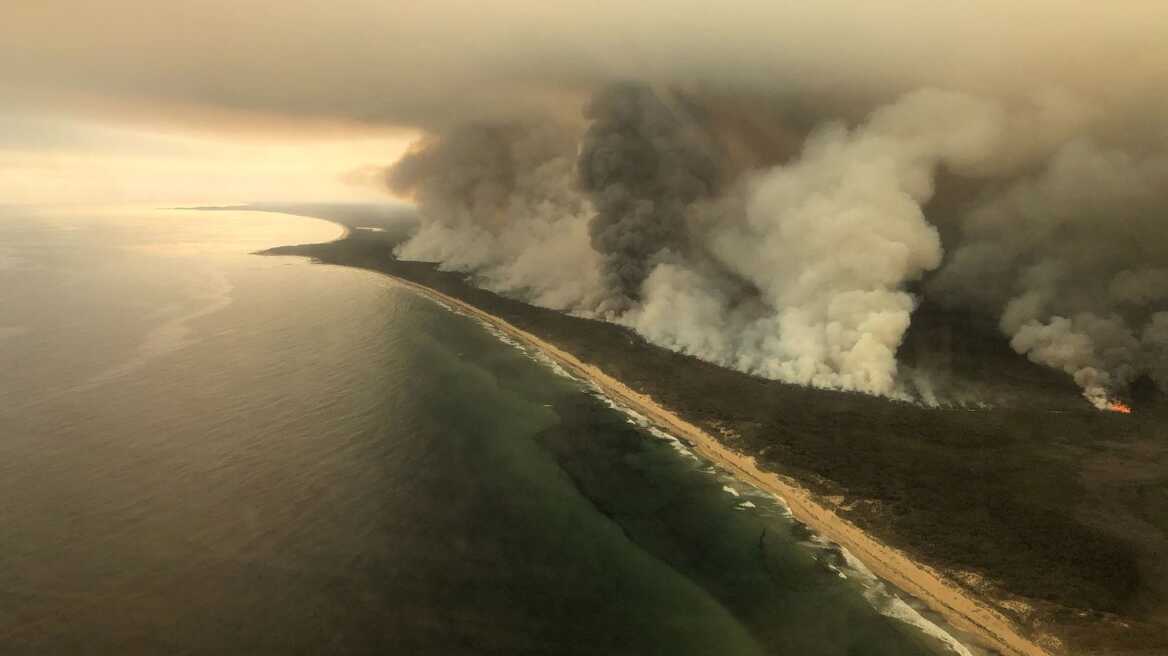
x: 499, y: 201
x: 829, y: 241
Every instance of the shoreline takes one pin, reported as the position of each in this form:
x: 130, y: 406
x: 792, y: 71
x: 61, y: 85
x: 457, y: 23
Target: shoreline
x: 959, y: 608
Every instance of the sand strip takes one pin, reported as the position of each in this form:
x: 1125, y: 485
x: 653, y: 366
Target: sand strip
x: 957, y: 606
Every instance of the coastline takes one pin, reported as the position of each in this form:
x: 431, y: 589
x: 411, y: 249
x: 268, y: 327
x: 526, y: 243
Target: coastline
x: 1039, y: 537
x: 941, y: 595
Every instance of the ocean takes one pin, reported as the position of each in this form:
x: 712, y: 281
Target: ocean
x: 205, y: 451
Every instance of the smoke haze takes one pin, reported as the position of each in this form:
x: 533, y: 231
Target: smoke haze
x: 758, y: 187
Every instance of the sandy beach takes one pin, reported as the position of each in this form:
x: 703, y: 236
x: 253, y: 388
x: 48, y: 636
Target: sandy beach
x: 963, y: 611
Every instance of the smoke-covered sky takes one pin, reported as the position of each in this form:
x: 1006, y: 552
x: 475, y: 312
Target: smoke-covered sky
x: 772, y: 186
x: 435, y: 62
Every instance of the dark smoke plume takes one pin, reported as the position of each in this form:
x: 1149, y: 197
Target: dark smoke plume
x: 642, y: 162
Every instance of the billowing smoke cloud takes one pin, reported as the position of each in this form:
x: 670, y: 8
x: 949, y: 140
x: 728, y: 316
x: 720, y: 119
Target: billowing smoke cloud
x: 828, y: 241
x: 500, y: 201
x: 1073, y: 260
x: 801, y: 271
x: 643, y: 163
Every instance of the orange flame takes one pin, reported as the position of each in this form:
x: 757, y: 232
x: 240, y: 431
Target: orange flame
x: 1119, y: 406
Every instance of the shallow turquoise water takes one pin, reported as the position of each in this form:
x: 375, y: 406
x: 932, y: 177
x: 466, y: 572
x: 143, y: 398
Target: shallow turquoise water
x: 205, y: 451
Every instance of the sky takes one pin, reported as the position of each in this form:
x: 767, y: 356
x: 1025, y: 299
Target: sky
x: 111, y: 115
x: 78, y: 159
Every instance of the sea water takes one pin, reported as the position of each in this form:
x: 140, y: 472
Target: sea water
x: 206, y: 451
